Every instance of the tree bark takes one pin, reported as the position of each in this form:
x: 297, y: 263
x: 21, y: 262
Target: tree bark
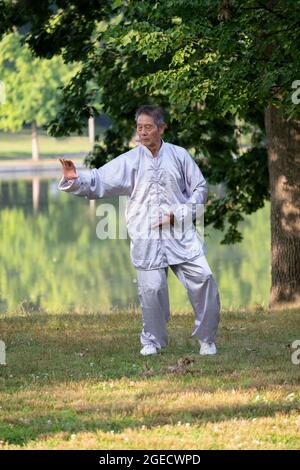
x: 34, y: 141
x: 283, y: 139
x: 91, y: 124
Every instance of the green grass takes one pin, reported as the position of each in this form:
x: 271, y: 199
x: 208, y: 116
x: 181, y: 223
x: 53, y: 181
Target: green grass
x: 18, y: 145
x: 78, y: 382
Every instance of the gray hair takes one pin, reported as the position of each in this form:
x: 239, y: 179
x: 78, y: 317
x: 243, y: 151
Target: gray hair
x: 155, y: 112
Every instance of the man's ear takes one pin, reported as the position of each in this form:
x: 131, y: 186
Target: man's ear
x: 162, y: 128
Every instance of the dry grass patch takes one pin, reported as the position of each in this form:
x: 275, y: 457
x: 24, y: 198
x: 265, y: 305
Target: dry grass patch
x: 79, y: 382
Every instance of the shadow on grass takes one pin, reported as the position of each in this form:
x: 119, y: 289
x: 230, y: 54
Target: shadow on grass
x: 59, y: 348
x: 71, y: 422
x: 49, y: 350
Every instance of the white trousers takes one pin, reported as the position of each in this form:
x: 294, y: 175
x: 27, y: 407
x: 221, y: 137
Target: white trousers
x: 197, y: 278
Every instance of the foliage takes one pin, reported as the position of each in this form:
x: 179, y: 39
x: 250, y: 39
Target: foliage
x: 213, y: 65
x: 32, y: 85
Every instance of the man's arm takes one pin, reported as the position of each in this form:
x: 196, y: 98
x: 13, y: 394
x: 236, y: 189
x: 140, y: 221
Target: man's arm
x: 112, y: 179
x: 196, y: 188
x: 197, y: 191
x: 195, y: 182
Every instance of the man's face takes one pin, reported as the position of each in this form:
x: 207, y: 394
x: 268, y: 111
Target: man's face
x: 149, y: 133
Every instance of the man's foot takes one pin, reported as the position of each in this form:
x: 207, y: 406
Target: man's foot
x: 148, y: 350
x: 207, y: 349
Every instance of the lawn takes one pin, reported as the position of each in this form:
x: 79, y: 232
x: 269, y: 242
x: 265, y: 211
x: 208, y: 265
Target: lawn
x: 77, y: 381
x: 18, y: 145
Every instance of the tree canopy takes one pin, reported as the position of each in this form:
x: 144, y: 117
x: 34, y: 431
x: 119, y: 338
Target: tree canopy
x: 32, y: 85
x: 213, y: 65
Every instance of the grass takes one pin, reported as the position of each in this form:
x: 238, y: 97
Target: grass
x: 18, y: 145
x: 78, y: 382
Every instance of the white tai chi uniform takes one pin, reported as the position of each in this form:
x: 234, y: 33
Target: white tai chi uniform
x: 156, y: 186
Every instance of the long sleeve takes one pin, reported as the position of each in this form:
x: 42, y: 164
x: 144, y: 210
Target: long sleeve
x: 115, y: 178
x: 196, y: 189
x: 195, y: 182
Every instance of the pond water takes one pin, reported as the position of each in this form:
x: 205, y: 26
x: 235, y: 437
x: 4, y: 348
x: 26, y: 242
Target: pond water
x: 52, y: 259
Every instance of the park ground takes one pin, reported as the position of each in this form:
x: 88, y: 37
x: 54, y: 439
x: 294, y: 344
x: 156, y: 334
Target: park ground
x: 18, y: 145
x: 77, y: 381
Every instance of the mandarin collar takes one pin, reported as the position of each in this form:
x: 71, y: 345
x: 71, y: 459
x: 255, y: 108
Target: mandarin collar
x: 149, y: 153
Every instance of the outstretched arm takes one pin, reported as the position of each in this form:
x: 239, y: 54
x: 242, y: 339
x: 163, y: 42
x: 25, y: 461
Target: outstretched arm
x: 115, y: 178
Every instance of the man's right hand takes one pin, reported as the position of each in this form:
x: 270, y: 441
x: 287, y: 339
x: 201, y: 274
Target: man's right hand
x: 69, y: 169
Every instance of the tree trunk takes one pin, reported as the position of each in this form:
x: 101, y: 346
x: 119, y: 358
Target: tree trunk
x: 35, y: 194
x: 284, y: 168
x: 34, y: 141
x: 92, y: 130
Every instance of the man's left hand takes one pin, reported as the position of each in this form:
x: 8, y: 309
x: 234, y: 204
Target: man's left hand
x: 167, y: 219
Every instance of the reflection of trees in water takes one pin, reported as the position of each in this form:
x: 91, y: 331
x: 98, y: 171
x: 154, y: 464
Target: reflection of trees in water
x: 242, y: 270
x: 54, y: 260
x: 31, y: 194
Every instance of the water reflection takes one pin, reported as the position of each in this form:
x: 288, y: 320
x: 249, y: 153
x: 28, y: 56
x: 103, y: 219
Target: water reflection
x: 52, y: 260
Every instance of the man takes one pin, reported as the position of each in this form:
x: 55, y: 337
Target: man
x: 165, y: 186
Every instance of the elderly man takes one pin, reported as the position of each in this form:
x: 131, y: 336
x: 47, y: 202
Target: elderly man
x: 165, y: 186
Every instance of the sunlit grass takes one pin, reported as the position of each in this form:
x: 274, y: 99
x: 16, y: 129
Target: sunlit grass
x: 18, y: 145
x: 78, y: 382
